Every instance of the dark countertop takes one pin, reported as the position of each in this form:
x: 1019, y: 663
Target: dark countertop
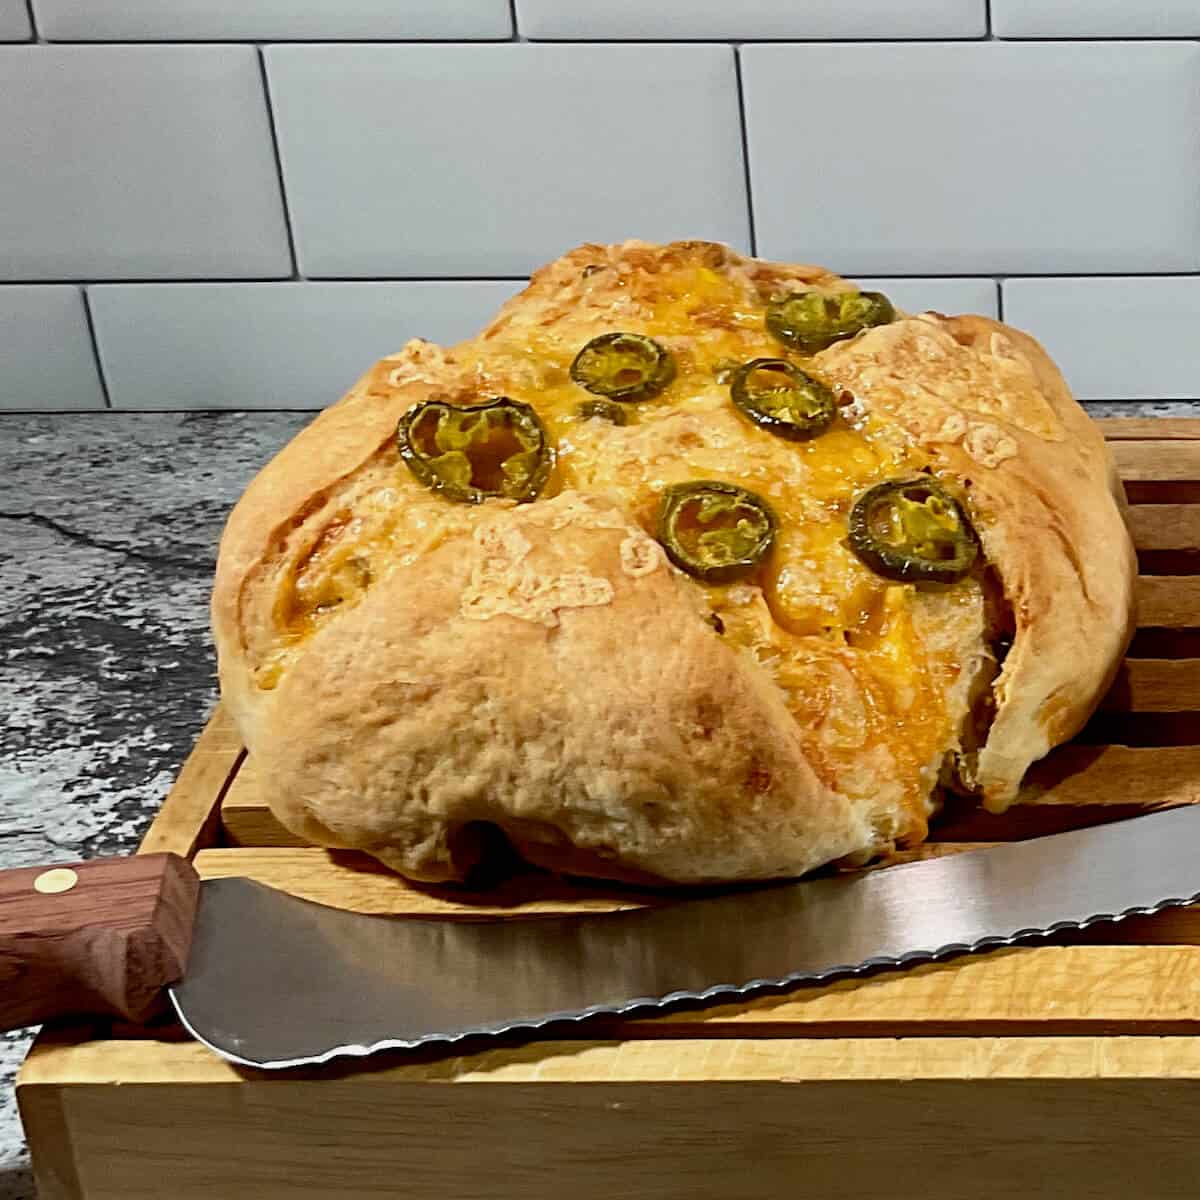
x: 108, y: 531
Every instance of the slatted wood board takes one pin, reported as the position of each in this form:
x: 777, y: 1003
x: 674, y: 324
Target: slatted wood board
x: 1068, y: 1069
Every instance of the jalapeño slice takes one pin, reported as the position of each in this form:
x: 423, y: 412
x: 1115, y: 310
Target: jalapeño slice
x: 474, y: 452
x: 716, y: 532
x: 783, y: 399
x: 623, y: 366
x: 913, y: 531
x: 810, y: 321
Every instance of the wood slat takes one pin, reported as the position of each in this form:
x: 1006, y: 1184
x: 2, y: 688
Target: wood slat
x: 1022, y: 991
x: 1158, y: 429
x: 1168, y: 602
x: 246, y: 820
x: 1159, y: 472
x: 65, y: 1059
x: 1167, y: 538
x: 189, y: 819
x: 640, y: 1120
x: 1157, y: 461
x: 1165, y: 526
x: 1156, y: 686
x: 1077, y: 786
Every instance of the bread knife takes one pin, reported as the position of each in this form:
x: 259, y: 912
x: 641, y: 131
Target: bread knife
x: 273, y: 981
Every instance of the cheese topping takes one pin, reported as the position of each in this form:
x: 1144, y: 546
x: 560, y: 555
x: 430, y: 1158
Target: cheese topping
x: 878, y: 701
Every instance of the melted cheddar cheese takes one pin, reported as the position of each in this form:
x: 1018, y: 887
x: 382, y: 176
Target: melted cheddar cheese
x: 876, y: 674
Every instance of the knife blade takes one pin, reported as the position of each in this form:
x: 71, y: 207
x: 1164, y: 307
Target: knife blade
x: 274, y: 981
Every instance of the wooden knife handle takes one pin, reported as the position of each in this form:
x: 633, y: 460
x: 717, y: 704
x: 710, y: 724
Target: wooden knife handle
x: 104, y: 936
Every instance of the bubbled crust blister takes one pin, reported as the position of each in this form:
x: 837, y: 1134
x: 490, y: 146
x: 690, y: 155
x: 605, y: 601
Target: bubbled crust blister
x: 623, y: 737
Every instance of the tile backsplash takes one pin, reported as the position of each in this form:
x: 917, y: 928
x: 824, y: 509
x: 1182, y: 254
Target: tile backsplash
x: 14, y: 21
x: 267, y: 20
x: 243, y: 203
x: 461, y: 160
x: 137, y: 162
x: 673, y: 20
x: 1011, y: 157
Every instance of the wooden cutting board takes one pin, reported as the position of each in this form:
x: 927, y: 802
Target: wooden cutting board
x: 1069, y: 1069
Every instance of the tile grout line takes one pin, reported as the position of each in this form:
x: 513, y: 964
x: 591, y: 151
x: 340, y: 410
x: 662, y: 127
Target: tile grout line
x: 918, y: 40
x: 283, y: 196
x: 91, y: 327
x: 744, y: 130
x: 287, y: 280
x: 244, y: 411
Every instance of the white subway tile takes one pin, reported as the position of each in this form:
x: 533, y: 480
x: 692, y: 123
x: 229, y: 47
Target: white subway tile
x: 227, y: 20
x: 681, y: 19
x: 1096, y: 18
x: 976, y: 157
x: 137, y: 162
x: 46, y: 359
x: 488, y: 160
x: 14, y: 21
x: 271, y: 345
x: 949, y: 296
x: 1115, y: 338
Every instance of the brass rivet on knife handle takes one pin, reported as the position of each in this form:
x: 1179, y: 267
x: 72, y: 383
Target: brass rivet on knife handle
x: 56, y: 881
x: 101, y: 937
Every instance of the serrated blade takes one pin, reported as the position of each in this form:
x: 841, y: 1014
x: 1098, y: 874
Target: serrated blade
x: 275, y: 981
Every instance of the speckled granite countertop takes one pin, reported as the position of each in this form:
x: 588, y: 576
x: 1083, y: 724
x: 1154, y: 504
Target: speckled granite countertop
x: 108, y: 528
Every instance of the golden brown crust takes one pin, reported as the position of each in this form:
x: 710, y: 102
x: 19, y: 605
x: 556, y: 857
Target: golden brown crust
x: 547, y: 739
x: 1055, y: 533
x: 1049, y: 508
x: 538, y: 668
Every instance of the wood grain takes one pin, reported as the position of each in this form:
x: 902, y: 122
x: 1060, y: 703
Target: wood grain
x: 1133, y: 990
x: 1077, y: 786
x: 80, y: 1056
x: 190, y: 816
x: 1168, y: 602
x: 1158, y: 429
x: 644, y: 1120
x: 1165, y: 526
x: 108, y: 944
x: 1167, y: 538
x: 245, y: 818
x: 1156, y: 686
x: 1157, y: 461
x: 1159, y: 471
x: 48, y: 1133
